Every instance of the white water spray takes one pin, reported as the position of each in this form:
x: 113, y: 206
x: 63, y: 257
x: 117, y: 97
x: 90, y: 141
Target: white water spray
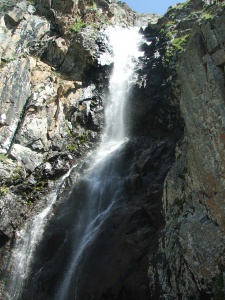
x: 125, y: 43
x: 125, y: 49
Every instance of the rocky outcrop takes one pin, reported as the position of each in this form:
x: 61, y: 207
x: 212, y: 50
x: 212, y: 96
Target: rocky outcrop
x: 16, y: 28
x: 191, y: 252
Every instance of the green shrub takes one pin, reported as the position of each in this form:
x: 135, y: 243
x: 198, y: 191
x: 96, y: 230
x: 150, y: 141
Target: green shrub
x: 206, y: 16
x: 169, y: 24
x: 5, y: 6
x: 40, y: 185
x: 78, y: 26
x: 92, y: 7
x: 72, y: 147
x: 181, y: 5
x: 3, y: 190
x: 179, y: 43
x: 169, y: 34
x: 3, y: 157
x: 82, y: 138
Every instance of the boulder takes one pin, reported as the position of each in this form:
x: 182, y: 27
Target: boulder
x: 28, y: 158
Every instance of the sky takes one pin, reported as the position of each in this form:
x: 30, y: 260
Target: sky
x: 151, y: 6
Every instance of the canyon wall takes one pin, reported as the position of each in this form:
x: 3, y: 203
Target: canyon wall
x: 192, y: 243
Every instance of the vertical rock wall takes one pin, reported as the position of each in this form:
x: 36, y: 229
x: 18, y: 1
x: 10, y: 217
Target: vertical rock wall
x: 191, y: 262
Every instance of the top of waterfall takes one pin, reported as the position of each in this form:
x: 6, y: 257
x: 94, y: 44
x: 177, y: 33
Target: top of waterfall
x: 125, y: 44
x: 118, y: 36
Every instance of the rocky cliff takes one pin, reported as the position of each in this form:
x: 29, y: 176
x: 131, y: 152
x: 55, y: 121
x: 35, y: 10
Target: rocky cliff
x: 51, y: 94
x: 192, y: 243
x: 167, y: 238
x: 54, y: 71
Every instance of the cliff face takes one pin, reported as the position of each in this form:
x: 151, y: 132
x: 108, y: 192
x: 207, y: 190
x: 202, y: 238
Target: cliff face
x: 51, y: 94
x: 193, y: 200
x: 169, y: 229
x: 191, y: 248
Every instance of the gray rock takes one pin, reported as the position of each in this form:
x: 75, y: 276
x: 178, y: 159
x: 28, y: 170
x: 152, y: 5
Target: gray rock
x: 19, y: 40
x: 15, y: 92
x: 143, y: 20
x: 11, y: 207
x: 192, y: 243
x: 28, y: 158
x: 15, y: 15
x: 33, y: 133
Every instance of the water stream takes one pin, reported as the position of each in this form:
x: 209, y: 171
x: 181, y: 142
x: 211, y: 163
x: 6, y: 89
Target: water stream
x: 101, y: 177
x: 26, y: 242
x: 99, y: 188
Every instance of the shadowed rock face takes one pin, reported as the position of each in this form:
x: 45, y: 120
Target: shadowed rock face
x: 114, y: 265
x: 192, y: 242
x: 204, y: 93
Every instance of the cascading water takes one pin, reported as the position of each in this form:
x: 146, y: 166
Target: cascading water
x: 96, y: 192
x: 26, y: 242
x: 100, y: 177
x: 125, y: 49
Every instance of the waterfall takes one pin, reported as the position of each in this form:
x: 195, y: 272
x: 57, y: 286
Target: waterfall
x: 124, y: 43
x: 98, y: 189
x: 125, y: 48
x: 100, y: 177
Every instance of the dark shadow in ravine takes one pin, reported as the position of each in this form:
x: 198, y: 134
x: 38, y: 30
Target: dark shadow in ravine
x: 97, y: 244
